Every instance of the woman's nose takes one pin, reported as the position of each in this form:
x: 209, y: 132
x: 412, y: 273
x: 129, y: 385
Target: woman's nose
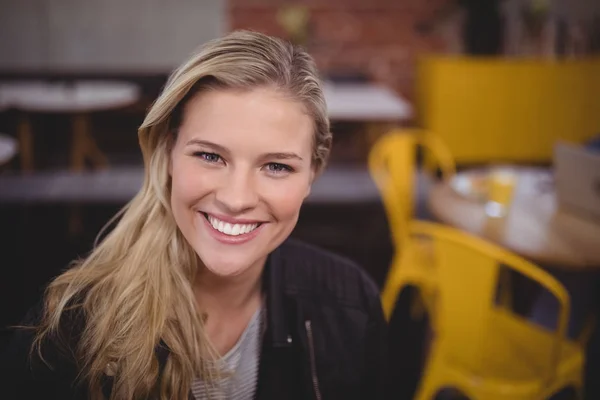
x: 237, y: 193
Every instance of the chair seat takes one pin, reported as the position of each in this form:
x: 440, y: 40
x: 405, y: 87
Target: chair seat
x: 513, y: 338
x: 529, y: 343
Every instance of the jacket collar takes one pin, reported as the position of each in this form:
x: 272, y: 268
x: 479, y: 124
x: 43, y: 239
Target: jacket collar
x: 278, y: 327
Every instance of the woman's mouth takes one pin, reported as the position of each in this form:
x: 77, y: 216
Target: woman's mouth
x: 229, y: 228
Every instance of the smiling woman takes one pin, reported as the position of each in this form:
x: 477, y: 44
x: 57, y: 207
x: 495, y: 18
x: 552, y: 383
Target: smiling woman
x: 198, y: 291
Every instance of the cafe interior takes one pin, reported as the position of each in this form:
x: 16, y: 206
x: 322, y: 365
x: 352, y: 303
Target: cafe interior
x: 464, y: 176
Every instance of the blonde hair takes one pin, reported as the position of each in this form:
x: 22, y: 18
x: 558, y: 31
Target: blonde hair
x: 134, y: 289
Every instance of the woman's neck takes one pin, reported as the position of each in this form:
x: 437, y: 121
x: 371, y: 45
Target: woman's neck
x: 228, y: 294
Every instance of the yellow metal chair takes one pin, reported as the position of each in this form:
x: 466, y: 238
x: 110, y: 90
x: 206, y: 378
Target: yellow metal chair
x: 480, y: 348
x: 392, y: 162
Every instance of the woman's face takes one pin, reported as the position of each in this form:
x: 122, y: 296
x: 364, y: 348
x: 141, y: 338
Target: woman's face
x: 240, y: 168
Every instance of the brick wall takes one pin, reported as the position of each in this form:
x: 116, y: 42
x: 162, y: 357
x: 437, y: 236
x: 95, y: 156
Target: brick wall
x: 378, y: 38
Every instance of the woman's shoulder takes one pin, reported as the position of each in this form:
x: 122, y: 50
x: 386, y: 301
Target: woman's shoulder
x: 307, y: 268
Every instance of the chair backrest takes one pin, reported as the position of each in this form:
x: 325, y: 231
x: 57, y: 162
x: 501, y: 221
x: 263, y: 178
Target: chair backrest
x: 467, y: 271
x: 392, y: 162
x: 495, y: 110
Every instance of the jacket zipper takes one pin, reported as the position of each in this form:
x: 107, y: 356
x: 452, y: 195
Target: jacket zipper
x: 313, y: 362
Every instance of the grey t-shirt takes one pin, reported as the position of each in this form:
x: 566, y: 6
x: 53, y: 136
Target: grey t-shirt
x: 239, y: 366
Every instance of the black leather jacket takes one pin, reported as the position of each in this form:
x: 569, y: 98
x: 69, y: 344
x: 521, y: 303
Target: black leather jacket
x: 325, y: 337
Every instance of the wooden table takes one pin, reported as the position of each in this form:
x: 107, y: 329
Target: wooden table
x: 364, y: 102
x: 534, y: 228
x: 76, y: 99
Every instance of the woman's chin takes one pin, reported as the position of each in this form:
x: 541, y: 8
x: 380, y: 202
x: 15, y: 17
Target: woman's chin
x: 226, y: 270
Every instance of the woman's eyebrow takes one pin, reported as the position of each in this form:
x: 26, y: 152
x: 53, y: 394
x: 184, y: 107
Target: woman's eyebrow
x: 216, y: 147
x: 282, y: 156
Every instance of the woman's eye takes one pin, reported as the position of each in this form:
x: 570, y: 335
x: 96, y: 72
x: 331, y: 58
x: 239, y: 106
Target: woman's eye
x: 208, y: 157
x: 278, y: 168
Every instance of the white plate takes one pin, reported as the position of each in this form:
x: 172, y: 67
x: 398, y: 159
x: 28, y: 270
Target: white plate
x: 471, y: 185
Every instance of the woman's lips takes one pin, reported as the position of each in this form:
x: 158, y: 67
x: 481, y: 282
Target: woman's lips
x: 224, y: 231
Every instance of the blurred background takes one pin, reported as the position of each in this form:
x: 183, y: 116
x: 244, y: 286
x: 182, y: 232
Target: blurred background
x: 480, y: 117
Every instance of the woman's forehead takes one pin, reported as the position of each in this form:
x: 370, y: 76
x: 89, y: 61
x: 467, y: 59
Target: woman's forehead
x: 246, y: 119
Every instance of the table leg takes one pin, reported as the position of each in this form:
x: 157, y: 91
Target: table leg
x: 79, y: 150
x: 84, y: 146
x: 25, y: 143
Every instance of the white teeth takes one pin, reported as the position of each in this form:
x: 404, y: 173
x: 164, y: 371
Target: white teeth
x: 231, y: 229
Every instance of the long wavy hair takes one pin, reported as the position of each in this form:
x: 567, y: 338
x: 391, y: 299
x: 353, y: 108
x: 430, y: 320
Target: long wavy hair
x: 134, y: 289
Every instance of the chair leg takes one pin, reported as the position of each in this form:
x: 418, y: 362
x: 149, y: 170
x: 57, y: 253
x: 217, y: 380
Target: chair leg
x: 430, y: 381
x: 426, y: 392
x: 587, y: 331
x: 25, y: 144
